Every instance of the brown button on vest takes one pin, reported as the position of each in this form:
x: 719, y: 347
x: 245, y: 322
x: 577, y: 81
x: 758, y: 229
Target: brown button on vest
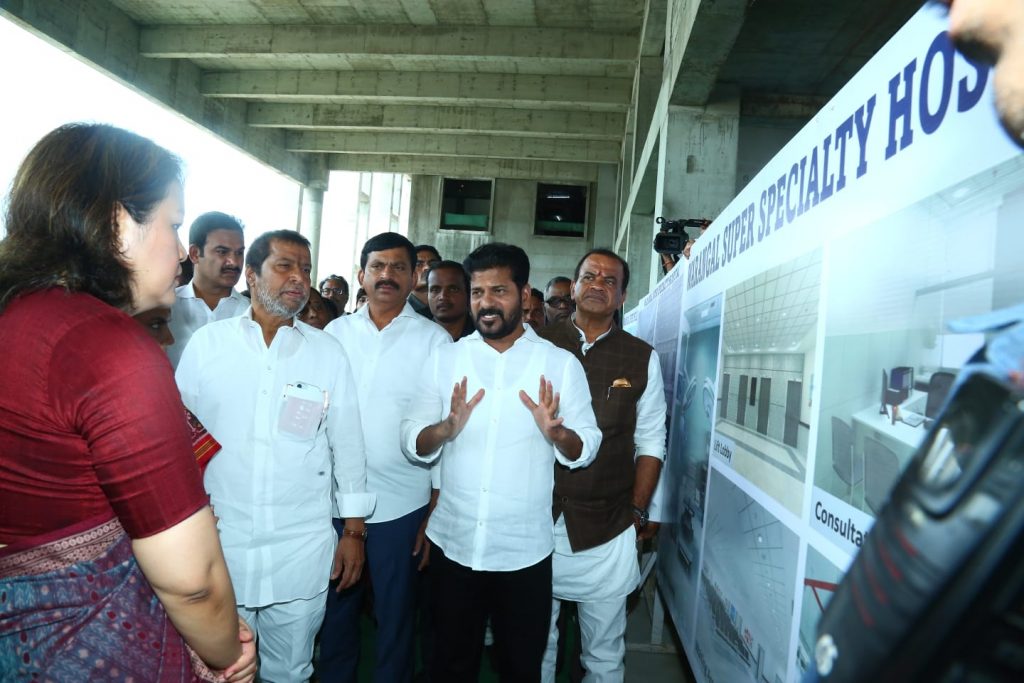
x: 597, y: 500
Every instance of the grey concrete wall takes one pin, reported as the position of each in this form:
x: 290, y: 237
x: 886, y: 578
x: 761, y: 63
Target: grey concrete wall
x: 512, y: 215
x: 759, y: 142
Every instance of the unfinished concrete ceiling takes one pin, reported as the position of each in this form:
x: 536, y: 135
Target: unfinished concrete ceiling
x: 472, y: 88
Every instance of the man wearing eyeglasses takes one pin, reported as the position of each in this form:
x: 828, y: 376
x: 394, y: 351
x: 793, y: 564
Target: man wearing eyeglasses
x: 558, y: 304
x: 426, y: 258
x: 335, y: 288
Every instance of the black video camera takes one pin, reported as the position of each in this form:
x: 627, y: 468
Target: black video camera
x: 673, y: 236
x: 936, y: 593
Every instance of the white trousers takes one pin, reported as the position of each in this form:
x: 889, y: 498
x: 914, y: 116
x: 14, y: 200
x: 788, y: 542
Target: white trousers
x: 284, y: 634
x: 603, y: 627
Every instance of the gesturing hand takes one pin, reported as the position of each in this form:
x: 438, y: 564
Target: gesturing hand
x: 461, y: 410
x: 545, y: 410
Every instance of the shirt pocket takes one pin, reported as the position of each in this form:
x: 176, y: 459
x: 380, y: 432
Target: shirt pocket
x: 299, y: 415
x: 615, y: 400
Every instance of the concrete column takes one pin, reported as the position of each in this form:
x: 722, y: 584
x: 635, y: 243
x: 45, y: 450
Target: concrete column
x: 640, y: 256
x: 649, y: 83
x: 699, y: 177
x: 311, y: 215
x: 380, y: 203
x: 311, y: 208
x: 697, y: 166
x: 425, y: 208
x: 603, y: 204
x: 625, y: 174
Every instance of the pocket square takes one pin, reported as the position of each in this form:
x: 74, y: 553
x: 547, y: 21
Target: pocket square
x: 621, y: 382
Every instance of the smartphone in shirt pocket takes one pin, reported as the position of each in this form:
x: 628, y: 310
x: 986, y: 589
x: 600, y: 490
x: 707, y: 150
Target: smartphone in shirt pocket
x: 303, y: 408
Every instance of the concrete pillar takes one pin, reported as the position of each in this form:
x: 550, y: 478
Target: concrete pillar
x: 425, y: 208
x: 311, y: 208
x: 697, y: 167
x: 381, y: 199
x: 311, y: 215
x: 625, y: 175
x: 640, y: 256
x: 699, y: 177
x: 648, y: 88
x: 604, y: 206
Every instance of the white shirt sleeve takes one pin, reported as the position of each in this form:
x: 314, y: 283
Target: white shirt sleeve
x: 649, y: 437
x: 345, y: 433
x: 578, y: 413
x: 429, y: 408
x: 187, y: 374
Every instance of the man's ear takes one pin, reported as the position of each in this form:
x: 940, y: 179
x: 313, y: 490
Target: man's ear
x: 359, y: 277
x: 250, y: 276
x: 193, y: 253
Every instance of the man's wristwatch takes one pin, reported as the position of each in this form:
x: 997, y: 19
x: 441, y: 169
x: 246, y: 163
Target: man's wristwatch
x: 641, y: 516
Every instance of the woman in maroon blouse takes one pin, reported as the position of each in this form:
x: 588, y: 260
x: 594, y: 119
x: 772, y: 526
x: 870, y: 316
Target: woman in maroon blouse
x: 110, y: 565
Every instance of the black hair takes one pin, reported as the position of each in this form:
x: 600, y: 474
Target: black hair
x: 61, y: 213
x: 537, y: 294
x: 427, y: 247
x: 331, y: 307
x: 343, y: 281
x: 260, y: 249
x: 451, y: 265
x: 385, y: 241
x: 557, y: 280
x: 610, y: 254
x: 208, y: 222
x: 500, y: 255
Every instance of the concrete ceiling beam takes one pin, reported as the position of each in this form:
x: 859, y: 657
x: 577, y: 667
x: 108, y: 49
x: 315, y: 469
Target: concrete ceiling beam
x: 771, y: 106
x: 437, y: 89
x: 461, y: 167
x: 408, y: 118
x: 652, y: 37
x: 198, y: 42
x: 712, y: 35
x: 484, y: 146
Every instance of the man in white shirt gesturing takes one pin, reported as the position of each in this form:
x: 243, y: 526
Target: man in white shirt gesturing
x: 492, y: 530
x: 387, y: 343
x: 278, y: 395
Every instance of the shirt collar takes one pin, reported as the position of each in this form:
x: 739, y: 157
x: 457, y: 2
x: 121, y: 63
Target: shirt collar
x: 406, y: 312
x: 529, y: 335
x: 188, y: 291
x: 245, y: 321
x: 583, y: 336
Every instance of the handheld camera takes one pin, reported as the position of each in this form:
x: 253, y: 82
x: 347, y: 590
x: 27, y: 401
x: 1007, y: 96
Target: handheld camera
x: 936, y: 593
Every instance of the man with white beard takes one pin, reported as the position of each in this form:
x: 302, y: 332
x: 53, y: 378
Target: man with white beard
x: 277, y: 394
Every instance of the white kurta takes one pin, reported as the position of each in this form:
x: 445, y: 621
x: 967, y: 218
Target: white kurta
x: 272, y: 484
x: 190, y: 313
x: 385, y: 364
x: 494, y: 512
x: 610, y: 570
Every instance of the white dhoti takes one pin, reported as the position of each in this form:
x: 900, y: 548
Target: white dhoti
x: 599, y: 580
